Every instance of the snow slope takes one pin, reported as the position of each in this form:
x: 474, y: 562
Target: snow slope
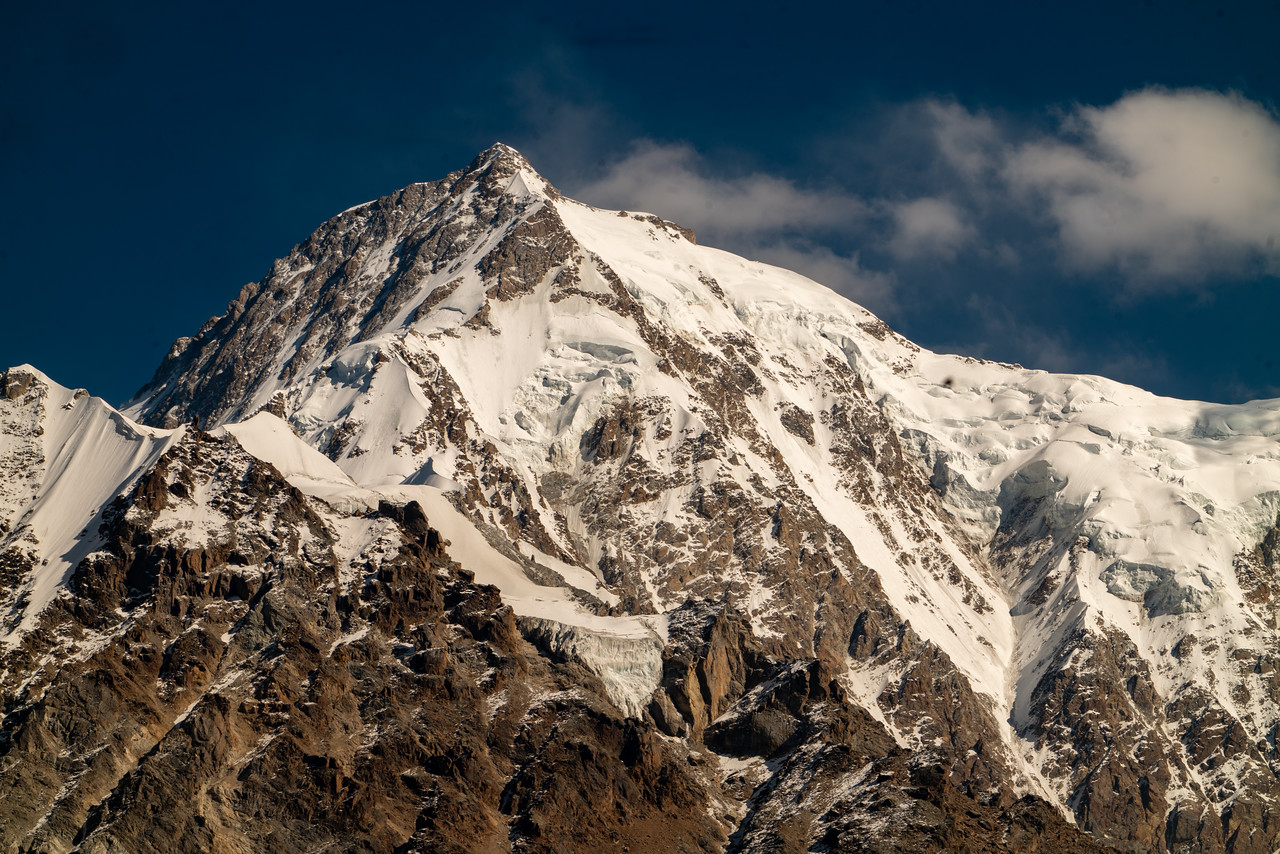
x: 64, y: 456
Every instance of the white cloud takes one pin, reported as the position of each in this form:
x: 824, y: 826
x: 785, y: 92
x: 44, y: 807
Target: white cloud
x: 1164, y: 185
x: 928, y: 227
x: 671, y: 180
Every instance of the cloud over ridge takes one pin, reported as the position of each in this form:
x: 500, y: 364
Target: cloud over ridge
x: 763, y: 216
x: 982, y: 231
x: 1166, y: 187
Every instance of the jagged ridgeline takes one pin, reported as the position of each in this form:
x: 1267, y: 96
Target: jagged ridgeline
x: 492, y: 521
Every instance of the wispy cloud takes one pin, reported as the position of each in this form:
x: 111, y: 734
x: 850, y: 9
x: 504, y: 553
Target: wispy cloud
x: 972, y: 143
x: 929, y: 227
x: 674, y: 181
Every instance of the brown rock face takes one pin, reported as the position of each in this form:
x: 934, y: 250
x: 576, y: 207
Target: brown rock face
x: 248, y: 691
x: 1114, y: 754
x: 15, y: 383
x: 241, y: 687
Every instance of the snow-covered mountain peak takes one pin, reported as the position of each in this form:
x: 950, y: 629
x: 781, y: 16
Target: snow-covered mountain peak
x: 500, y: 161
x: 659, y: 425
x: 503, y: 159
x: 501, y: 169
x: 433, y: 255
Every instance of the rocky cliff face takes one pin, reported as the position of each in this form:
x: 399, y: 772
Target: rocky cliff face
x: 529, y: 526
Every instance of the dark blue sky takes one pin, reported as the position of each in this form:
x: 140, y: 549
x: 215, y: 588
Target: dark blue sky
x: 945, y: 166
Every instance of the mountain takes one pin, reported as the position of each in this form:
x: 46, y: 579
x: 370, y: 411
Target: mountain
x: 489, y: 520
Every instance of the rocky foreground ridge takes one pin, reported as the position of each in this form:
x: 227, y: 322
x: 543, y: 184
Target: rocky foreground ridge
x: 491, y: 521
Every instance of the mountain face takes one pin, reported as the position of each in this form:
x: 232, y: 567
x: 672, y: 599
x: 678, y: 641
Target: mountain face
x: 491, y: 521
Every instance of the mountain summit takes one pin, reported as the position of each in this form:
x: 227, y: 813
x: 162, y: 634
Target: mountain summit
x: 577, y: 534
